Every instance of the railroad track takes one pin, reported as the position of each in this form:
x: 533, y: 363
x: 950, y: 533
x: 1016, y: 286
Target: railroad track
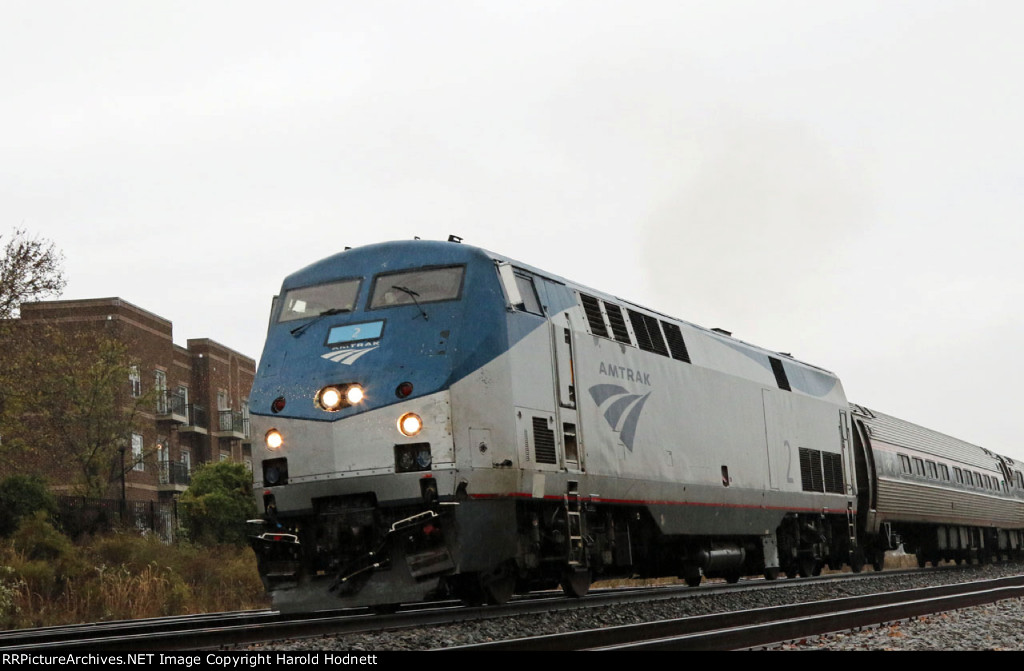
x: 220, y: 630
x: 772, y: 625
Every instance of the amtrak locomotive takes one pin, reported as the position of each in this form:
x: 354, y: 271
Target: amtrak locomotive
x: 433, y: 419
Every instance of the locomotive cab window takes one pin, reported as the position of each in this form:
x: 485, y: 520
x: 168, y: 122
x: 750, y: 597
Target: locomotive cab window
x: 520, y: 289
x: 416, y: 287
x: 316, y: 300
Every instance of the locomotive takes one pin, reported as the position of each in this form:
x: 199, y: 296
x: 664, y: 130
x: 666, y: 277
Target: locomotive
x: 433, y: 419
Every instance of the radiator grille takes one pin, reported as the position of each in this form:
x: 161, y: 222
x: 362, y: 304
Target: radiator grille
x: 810, y: 470
x: 821, y: 471
x: 832, y: 464
x: 543, y: 442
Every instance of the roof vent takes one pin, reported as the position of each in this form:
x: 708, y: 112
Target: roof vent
x: 722, y: 331
x: 454, y: 238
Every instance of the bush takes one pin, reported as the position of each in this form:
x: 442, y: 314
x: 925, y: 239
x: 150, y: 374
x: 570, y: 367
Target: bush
x: 20, y: 496
x: 217, y: 504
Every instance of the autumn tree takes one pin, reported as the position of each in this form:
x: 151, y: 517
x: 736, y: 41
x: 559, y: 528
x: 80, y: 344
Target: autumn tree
x: 66, y: 412
x: 70, y: 411
x: 31, y: 268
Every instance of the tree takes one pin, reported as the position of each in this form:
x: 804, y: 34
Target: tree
x: 66, y: 406
x: 31, y: 268
x: 20, y: 496
x: 217, y: 504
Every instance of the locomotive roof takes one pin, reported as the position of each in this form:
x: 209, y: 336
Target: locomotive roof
x: 407, y: 253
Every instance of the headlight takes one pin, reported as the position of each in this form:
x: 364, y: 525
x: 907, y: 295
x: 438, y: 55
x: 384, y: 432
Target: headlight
x: 274, y: 439
x: 410, y: 424
x: 336, y: 397
x: 354, y: 394
x: 330, y: 399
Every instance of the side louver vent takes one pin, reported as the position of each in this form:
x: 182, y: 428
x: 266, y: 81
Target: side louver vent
x: 810, y: 470
x: 676, y: 344
x: 618, y: 323
x: 833, y: 467
x: 821, y: 471
x: 648, y: 335
x: 543, y: 442
x: 593, y: 311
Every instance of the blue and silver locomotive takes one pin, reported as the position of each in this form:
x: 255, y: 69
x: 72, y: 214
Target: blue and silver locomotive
x: 437, y: 420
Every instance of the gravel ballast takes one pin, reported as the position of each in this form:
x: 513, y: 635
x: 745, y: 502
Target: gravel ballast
x: 992, y: 627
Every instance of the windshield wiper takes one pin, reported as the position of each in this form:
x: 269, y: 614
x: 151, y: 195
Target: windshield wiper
x: 299, y: 330
x: 413, y: 295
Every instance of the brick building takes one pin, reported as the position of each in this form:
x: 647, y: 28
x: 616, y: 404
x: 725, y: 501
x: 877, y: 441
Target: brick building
x: 200, y: 409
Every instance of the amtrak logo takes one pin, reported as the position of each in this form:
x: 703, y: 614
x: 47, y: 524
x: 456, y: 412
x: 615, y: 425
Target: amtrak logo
x: 347, y: 356
x: 622, y: 411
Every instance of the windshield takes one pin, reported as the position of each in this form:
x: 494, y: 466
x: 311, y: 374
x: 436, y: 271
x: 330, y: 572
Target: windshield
x: 313, y: 301
x: 417, y: 287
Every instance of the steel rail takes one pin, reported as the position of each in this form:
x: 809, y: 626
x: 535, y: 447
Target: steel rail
x: 217, y: 630
x: 766, y: 626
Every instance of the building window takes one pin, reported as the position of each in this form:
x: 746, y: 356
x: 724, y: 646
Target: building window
x: 160, y: 388
x: 135, y: 381
x: 137, y: 453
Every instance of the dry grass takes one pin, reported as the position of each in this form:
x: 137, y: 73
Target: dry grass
x: 120, y: 576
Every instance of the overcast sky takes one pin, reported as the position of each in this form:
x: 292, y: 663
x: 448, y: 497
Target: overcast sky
x: 839, y: 180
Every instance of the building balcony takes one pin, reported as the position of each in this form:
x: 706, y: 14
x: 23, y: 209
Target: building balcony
x: 233, y: 424
x: 173, y: 476
x: 171, y: 407
x: 195, y: 420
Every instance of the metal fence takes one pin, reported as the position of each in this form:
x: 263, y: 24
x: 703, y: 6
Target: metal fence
x: 79, y: 516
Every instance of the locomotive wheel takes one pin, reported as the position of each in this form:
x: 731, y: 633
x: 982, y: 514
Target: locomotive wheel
x: 469, y: 589
x: 857, y: 560
x: 733, y: 577
x: 806, y: 567
x: 878, y: 563
x: 499, y: 586
x: 576, y: 583
x: 771, y: 572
